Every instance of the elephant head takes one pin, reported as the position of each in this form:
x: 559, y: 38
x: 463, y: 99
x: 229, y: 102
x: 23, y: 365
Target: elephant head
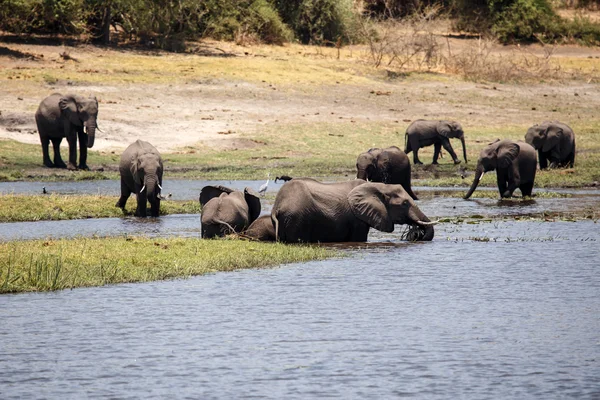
x: 225, y: 210
x: 81, y: 111
x: 544, y: 136
x: 498, y: 154
x: 453, y: 129
x: 381, y: 206
x: 366, y: 165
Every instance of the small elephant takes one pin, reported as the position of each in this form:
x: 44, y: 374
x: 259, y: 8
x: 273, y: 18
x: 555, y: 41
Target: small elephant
x: 423, y: 133
x: 225, y: 210
x: 515, y: 163
x: 554, y: 141
x: 141, y: 169
x: 306, y: 210
x: 390, y: 165
x: 262, y: 229
x: 61, y: 116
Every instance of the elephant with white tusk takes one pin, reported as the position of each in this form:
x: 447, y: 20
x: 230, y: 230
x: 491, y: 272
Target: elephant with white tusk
x: 306, y: 210
x: 141, y: 169
x: 60, y: 117
x: 515, y: 163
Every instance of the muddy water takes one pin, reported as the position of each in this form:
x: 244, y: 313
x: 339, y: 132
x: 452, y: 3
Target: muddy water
x: 493, y: 310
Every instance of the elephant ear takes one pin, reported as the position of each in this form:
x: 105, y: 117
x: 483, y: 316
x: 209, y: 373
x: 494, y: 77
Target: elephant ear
x: 68, y: 104
x: 507, y: 153
x: 552, y: 136
x: 209, y: 192
x: 369, y: 204
x: 253, y: 202
x: 444, y: 129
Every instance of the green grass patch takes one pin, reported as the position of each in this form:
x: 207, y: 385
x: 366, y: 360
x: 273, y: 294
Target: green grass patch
x: 43, y: 265
x: 14, y: 208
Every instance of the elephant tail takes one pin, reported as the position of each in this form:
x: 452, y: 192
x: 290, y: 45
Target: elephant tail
x: 406, y: 149
x: 276, y: 223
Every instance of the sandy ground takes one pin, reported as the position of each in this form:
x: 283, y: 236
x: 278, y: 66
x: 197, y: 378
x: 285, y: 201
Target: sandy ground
x: 222, y: 114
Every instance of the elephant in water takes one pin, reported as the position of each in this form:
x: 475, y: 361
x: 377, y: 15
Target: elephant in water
x: 141, y: 169
x: 515, y: 164
x: 423, y: 133
x: 306, y: 210
x: 554, y: 141
x: 389, y: 165
x: 226, y: 211
x: 261, y: 229
x: 61, y: 116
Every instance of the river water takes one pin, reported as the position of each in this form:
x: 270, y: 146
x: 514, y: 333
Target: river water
x: 490, y: 310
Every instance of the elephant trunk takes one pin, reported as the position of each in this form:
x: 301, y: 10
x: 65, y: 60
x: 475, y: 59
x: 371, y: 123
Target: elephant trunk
x: 152, y: 186
x: 90, y: 129
x: 419, y: 219
x: 462, y: 141
x: 362, y: 174
x: 478, y: 175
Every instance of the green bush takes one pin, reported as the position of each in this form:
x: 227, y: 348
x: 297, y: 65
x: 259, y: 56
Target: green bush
x: 518, y: 20
x: 42, y: 16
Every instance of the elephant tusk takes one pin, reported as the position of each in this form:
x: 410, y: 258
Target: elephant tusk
x: 482, y: 174
x: 142, y: 189
x: 160, y: 187
x: 430, y: 223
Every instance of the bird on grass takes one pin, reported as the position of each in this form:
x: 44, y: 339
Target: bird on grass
x: 263, y: 188
x: 44, y: 190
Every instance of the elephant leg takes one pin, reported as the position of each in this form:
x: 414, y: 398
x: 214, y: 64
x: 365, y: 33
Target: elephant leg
x: 449, y: 149
x: 526, y: 189
x: 155, y: 208
x: 413, y: 142
x: 543, y: 159
x: 58, y: 161
x: 72, y: 164
x: 437, y: 147
x: 501, y: 177
x: 141, y: 205
x: 83, y: 142
x: 125, y: 193
x: 45, y: 151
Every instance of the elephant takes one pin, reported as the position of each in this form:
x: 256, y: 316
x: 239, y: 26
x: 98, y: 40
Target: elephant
x: 515, y: 163
x: 306, y: 210
x: 225, y: 210
x: 554, y: 141
x: 61, y: 116
x: 261, y: 229
x: 423, y: 133
x: 389, y: 165
x: 141, y: 169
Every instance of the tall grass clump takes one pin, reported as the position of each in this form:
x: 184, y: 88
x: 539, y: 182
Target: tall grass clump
x: 42, y: 265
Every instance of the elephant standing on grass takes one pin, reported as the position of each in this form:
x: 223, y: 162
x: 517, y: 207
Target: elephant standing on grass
x: 423, y: 133
x: 141, y: 169
x: 61, y: 116
x: 226, y: 211
x: 554, y: 141
x: 306, y: 210
x: 390, y: 165
x: 515, y: 164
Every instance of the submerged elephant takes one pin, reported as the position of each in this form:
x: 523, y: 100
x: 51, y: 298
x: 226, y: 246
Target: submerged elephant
x: 555, y: 142
x: 515, y: 163
x: 225, y: 210
x: 261, y: 229
x: 61, y: 116
x: 389, y: 165
x: 422, y: 133
x: 306, y: 210
x: 141, y: 169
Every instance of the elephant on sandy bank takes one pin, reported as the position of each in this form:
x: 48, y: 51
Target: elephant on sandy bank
x: 423, y: 133
x: 555, y: 142
x: 515, y: 163
x: 306, y: 210
x: 389, y: 165
x: 226, y: 211
x: 61, y: 116
x: 141, y: 169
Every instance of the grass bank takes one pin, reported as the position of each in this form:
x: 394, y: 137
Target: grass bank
x: 42, y: 265
x: 15, y: 208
